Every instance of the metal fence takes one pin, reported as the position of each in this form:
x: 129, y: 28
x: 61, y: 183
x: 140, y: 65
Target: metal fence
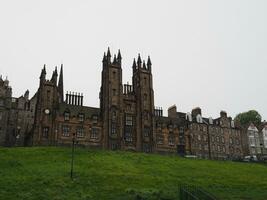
x: 189, y: 192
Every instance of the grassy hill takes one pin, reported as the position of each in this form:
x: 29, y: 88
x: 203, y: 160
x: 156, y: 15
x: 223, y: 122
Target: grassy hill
x: 43, y: 173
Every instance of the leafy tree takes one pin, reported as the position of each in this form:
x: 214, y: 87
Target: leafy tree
x: 247, y: 117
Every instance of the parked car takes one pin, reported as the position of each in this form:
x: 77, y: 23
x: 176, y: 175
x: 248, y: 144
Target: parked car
x: 252, y: 158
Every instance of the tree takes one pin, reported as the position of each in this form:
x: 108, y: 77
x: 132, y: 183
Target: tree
x: 251, y: 116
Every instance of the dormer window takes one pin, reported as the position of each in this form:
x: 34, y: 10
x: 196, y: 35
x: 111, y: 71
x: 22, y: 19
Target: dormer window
x: 66, y: 116
x: 188, y: 117
x: 199, y: 118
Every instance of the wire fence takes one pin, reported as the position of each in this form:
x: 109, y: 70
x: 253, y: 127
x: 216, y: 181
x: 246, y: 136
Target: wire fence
x: 190, y: 192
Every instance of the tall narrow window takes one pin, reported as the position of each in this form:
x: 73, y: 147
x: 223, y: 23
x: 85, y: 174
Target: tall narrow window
x: 81, y: 117
x: 129, y: 120
x: 95, y: 119
x: 171, y: 140
x: 128, y: 134
x: 114, y: 116
x: 66, y: 116
x: 160, y: 139
x: 65, y: 131
x: 113, y: 128
x: 45, y: 132
x: 94, y: 133
x: 146, y: 132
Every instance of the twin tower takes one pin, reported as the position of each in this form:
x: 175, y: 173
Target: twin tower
x: 125, y: 116
x: 126, y: 110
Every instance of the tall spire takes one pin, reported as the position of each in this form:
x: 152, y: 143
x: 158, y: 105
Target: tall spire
x: 60, y: 84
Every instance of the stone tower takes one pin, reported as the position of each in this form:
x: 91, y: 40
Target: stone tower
x: 111, y: 101
x: 49, y: 95
x: 144, y: 94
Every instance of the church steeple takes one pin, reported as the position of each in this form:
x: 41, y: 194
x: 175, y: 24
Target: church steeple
x: 60, y: 84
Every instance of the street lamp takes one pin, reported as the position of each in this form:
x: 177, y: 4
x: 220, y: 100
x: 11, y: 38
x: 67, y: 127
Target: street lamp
x: 72, y: 156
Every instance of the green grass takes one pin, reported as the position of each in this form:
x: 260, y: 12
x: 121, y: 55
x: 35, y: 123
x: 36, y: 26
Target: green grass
x: 43, y: 173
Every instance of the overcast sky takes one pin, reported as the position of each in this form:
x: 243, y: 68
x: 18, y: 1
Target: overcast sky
x: 206, y: 53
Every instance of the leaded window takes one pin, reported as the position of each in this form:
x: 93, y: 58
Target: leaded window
x: 160, y: 139
x: 80, y: 132
x: 66, y: 116
x: 45, y: 132
x: 113, y: 128
x: 129, y: 120
x: 146, y: 132
x: 81, y: 117
x: 65, y: 131
x: 171, y: 140
x: 94, y: 133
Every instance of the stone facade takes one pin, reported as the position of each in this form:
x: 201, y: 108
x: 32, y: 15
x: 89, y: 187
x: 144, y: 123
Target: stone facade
x: 16, y: 116
x: 126, y: 119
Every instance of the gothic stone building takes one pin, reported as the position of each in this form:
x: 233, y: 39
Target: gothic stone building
x: 127, y: 118
x: 16, y: 116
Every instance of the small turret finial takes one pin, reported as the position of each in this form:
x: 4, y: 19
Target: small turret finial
x: 139, y: 61
x: 144, y: 64
x: 134, y: 64
x: 114, y: 59
x: 104, y: 57
x: 149, y: 64
x: 108, y: 53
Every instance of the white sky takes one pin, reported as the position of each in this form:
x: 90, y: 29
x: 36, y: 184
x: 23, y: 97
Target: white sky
x: 206, y: 53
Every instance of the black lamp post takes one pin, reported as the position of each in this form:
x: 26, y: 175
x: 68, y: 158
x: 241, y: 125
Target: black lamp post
x: 72, y: 156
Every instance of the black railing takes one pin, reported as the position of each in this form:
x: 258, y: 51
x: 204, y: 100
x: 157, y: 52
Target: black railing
x: 189, y: 192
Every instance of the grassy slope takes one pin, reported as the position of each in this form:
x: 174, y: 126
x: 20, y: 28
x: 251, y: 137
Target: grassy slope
x: 43, y: 173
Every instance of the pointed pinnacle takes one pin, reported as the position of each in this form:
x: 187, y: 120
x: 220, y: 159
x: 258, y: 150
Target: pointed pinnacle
x: 144, y: 64
x: 139, y: 59
x: 114, y: 59
x: 108, y: 53
x: 134, y: 63
x: 149, y: 61
x: 104, y: 57
x: 119, y: 55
